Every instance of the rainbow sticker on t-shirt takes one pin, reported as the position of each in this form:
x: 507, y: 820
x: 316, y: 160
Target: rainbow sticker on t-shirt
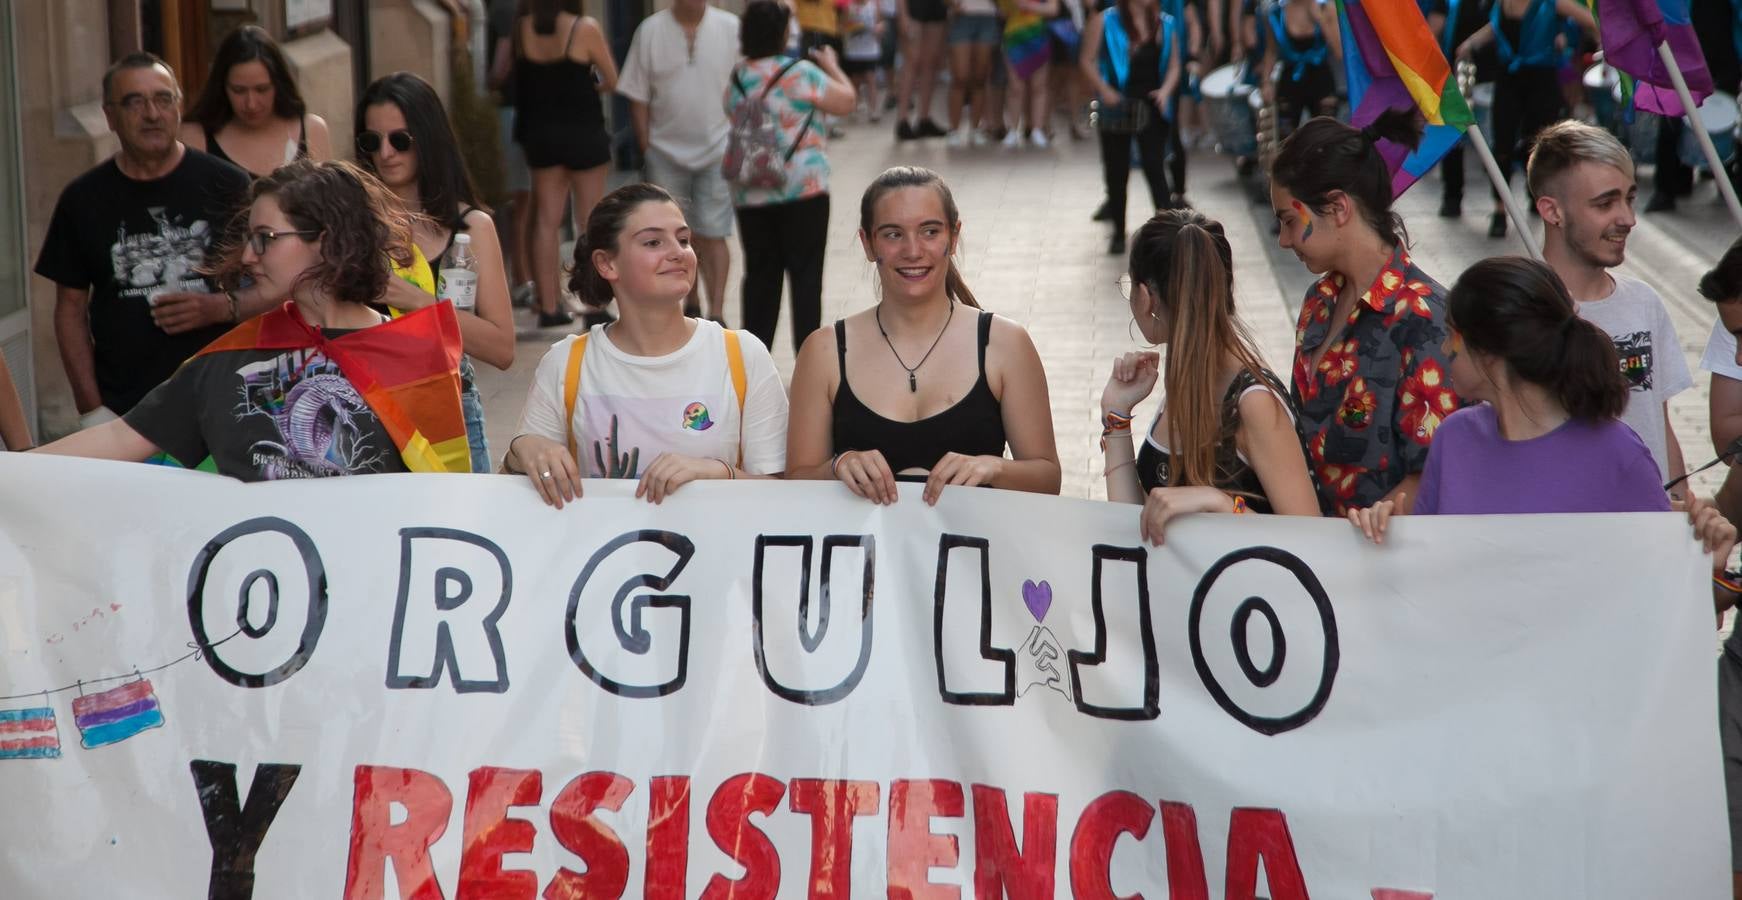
x: 695, y: 417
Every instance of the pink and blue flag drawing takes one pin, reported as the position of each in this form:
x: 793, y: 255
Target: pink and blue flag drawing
x: 1393, y: 62
x: 1632, y: 30
x: 116, y: 714
x: 29, y: 733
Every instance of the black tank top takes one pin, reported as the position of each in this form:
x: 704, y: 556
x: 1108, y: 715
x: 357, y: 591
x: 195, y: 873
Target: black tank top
x: 1233, y: 474
x: 974, y: 426
x: 215, y: 149
x: 559, y: 95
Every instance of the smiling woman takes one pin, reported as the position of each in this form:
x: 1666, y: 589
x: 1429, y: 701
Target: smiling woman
x: 251, y: 112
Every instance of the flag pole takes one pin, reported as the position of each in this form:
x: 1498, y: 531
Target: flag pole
x: 1705, y: 139
x: 1519, y: 223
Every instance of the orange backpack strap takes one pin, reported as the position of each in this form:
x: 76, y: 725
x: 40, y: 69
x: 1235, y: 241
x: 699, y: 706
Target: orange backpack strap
x: 740, y: 384
x: 572, y: 391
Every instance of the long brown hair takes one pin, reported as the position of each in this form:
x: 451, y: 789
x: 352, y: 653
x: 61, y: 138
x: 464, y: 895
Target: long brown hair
x: 1182, y: 258
x: 913, y: 176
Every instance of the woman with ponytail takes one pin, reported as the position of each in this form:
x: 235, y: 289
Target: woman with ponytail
x: 655, y: 395
x: 1225, y: 438
x: 1369, y: 377
x: 924, y: 386
x: 1545, y: 435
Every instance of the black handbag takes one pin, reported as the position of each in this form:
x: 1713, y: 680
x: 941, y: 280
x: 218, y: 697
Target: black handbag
x: 1128, y: 117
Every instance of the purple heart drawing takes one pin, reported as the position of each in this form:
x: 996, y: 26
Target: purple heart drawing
x: 1038, y: 599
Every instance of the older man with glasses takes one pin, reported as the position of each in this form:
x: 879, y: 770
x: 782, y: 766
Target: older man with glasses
x: 127, y: 243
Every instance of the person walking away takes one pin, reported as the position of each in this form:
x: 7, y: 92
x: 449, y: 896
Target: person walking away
x: 1129, y: 56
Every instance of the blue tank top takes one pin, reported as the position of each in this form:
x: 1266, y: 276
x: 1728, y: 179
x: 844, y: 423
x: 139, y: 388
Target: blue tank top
x: 1537, y: 30
x: 1298, y: 58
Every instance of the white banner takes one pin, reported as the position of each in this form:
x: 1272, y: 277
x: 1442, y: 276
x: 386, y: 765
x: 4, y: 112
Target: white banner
x: 435, y: 687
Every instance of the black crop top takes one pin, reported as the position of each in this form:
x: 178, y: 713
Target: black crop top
x: 217, y: 149
x: 1233, y: 474
x: 974, y: 426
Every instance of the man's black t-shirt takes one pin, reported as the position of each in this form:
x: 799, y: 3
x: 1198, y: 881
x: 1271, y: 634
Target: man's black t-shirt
x: 128, y: 241
x: 266, y: 415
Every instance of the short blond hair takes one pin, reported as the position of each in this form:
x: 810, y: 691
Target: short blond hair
x: 1567, y: 143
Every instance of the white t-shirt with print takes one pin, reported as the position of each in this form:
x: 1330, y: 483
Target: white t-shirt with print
x: 630, y: 409
x: 682, y: 91
x: 1720, y: 355
x: 1651, y: 358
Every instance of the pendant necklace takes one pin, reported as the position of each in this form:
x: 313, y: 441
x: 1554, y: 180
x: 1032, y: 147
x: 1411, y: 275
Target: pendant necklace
x: 912, y: 379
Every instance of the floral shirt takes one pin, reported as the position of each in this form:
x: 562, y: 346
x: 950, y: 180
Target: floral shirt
x: 793, y: 102
x: 1370, y: 408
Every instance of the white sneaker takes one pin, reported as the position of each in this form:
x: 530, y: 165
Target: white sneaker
x: 1013, y: 140
x: 1039, y: 140
x: 980, y: 138
x: 957, y: 139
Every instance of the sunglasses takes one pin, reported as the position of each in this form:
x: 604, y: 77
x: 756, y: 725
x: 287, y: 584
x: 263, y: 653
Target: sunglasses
x: 258, y: 241
x: 370, y: 141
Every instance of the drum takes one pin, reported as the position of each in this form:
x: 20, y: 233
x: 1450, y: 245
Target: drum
x: 1225, y: 98
x: 1482, y: 105
x: 1601, y: 90
x: 1640, y: 135
x: 1719, y: 113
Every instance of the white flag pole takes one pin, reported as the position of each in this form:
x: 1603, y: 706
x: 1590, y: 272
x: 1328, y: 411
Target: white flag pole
x: 1519, y: 223
x: 1700, y: 133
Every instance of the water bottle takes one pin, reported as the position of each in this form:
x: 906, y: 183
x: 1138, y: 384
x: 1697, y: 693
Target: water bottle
x: 458, y: 278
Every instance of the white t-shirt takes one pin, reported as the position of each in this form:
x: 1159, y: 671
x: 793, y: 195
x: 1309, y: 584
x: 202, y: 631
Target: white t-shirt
x: 1651, y: 358
x: 1720, y: 355
x: 630, y: 409
x: 683, y: 90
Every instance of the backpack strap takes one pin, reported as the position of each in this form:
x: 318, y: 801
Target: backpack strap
x: 740, y: 384
x: 802, y: 129
x: 572, y: 391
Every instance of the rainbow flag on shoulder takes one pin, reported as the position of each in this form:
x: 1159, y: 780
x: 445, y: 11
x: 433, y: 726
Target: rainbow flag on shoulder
x: 1393, y: 62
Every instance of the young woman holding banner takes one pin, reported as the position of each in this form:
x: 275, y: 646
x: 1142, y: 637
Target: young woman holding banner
x: 655, y: 395
x: 905, y: 391
x: 1545, y: 435
x: 1225, y: 439
x: 1369, y: 376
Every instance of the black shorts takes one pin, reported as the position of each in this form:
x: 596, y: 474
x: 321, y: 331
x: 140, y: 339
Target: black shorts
x: 855, y: 67
x: 928, y: 10
x: 565, y: 148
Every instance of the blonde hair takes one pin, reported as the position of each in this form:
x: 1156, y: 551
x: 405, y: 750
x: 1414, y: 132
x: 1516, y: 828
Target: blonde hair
x: 1565, y: 144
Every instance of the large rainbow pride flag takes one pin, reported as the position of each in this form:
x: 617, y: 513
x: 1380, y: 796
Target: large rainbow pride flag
x: 1392, y: 62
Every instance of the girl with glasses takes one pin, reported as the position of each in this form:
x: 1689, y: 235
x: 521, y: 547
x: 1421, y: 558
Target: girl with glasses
x: 1225, y: 439
x: 250, y: 112
x: 324, y: 385
x: 403, y: 138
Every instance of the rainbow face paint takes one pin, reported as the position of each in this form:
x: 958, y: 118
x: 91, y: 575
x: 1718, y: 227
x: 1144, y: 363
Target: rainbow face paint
x: 1307, y: 217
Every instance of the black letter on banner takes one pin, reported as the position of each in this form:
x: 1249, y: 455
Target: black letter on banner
x: 1242, y: 654
x: 234, y: 830
x: 807, y: 638
x: 1004, y: 656
x: 636, y: 639
x: 317, y: 602
x: 1146, y: 628
x: 450, y: 590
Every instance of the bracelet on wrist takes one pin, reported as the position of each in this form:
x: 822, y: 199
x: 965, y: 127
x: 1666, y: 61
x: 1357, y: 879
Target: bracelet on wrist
x: 1239, y: 505
x: 731, y: 474
x: 834, y: 465
x: 235, y: 306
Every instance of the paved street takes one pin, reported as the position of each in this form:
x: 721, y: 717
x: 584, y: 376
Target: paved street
x: 1031, y: 253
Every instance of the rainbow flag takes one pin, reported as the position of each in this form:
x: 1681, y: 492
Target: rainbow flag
x: 116, y: 714
x: 1026, y: 41
x: 29, y: 733
x: 407, y: 370
x: 1632, y: 30
x: 1392, y: 62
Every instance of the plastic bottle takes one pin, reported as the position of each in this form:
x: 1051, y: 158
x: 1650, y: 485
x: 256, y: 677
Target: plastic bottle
x: 458, y: 278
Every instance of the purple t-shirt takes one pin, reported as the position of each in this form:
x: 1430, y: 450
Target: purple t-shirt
x: 1580, y: 467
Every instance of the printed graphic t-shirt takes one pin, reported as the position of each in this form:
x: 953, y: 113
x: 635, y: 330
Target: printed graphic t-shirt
x: 1651, y: 358
x: 682, y: 85
x: 792, y: 102
x: 128, y: 241
x: 633, y: 408
x: 266, y: 415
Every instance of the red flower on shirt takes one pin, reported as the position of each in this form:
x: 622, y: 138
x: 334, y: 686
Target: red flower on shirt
x: 1358, y: 407
x: 1424, y: 400
x: 1340, y: 362
x: 1410, y: 301
x: 1342, y: 481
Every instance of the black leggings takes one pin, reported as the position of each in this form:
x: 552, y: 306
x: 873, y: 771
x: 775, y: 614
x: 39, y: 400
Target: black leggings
x: 1525, y: 102
x: 781, y: 241
x: 1152, y: 144
x: 1313, y: 94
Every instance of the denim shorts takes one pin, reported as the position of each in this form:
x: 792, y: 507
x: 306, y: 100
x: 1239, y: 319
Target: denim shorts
x: 472, y: 406
x: 975, y: 29
x: 704, y: 195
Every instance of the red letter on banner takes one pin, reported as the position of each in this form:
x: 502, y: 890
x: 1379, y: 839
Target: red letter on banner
x: 913, y: 848
x: 490, y: 833
x: 729, y: 824
x: 1255, y: 834
x: 376, y: 842
x: 668, y: 838
x: 1185, y: 858
x: 1103, y: 821
x: 999, y: 868
x: 832, y: 806
x: 572, y: 821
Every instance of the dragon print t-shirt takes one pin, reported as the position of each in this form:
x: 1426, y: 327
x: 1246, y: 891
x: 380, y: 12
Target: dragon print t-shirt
x: 266, y: 415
